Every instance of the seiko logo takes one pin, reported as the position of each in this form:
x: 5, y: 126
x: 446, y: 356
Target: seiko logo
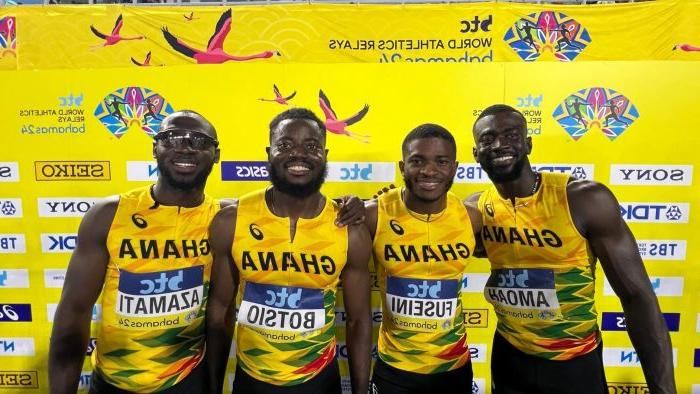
x: 361, y: 172
x: 669, y: 175
x: 396, y: 227
x: 139, y: 221
x: 72, y: 170
x: 12, y: 243
x: 244, y: 171
x: 65, y: 206
x: 655, y: 212
x: 19, y: 379
x: 11, y: 208
x: 9, y: 172
x: 476, y: 318
x: 255, y: 231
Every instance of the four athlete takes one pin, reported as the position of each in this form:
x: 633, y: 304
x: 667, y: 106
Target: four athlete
x: 277, y: 260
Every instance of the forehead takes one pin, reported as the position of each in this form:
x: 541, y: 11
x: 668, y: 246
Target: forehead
x: 499, y: 122
x: 298, y: 129
x: 431, y: 146
x: 184, y: 122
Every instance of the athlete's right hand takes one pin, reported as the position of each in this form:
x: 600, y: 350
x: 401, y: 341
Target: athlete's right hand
x: 383, y: 190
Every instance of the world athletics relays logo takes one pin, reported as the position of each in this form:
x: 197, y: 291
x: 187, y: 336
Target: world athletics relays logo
x: 133, y: 105
x: 597, y: 107
x: 551, y: 31
x: 8, y: 36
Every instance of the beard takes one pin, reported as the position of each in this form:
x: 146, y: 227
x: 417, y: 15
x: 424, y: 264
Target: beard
x: 294, y: 190
x: 199, y: 180
x: 503, y: 177
x: 412, y: 188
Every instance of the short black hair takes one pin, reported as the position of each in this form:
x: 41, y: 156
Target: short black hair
x: 298, y: 113
x: 428, y: 130
x: 497, y: 109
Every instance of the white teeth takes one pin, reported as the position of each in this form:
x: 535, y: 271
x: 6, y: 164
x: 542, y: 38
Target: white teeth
x: 502, y: 159
x: 298, y: 168
x: 185, y: 164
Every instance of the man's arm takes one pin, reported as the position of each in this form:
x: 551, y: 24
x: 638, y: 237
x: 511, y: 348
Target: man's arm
x: 596, y: 214
x: 352, y: 210
x: 222, y: 295
x: 356, y: 297
x: 477, y: 221
x: 84, y: 280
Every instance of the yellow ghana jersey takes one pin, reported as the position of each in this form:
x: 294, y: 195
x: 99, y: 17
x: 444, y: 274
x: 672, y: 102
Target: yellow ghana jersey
x: 420, y: 265
x: 155, y: 292
x: 542, y: 281
x: 285, y: 330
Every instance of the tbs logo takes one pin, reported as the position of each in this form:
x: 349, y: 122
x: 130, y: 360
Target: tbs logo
x: 244, y: 171
x: 476, y: 24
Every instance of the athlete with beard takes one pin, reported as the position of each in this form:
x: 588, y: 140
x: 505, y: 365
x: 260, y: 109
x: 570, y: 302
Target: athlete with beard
x: 279, y: 249
x: 543, y: 233
x: 148, y: 248
x: 421, y: 249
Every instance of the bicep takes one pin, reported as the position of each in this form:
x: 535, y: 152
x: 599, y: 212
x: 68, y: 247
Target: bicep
x: 224, y: 278
x: 355, y: 275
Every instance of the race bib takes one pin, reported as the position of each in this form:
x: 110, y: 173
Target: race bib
x: 424, y: 305
x: 159, y: 299
x: 523, y: 293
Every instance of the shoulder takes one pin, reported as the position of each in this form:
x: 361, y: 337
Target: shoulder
x: 472, y: 199
x: 223, y: 203
x: 592, y: 206
x: 103, y: 211
x: 582, y: 192
x: 227, y: 213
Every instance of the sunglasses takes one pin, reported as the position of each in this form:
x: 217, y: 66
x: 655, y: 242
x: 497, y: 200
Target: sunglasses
x: 178, y: 138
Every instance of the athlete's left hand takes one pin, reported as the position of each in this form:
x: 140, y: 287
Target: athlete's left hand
x: 352, y: 211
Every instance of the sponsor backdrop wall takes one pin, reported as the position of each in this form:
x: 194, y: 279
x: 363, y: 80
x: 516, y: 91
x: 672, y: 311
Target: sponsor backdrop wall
x: 80, y: 127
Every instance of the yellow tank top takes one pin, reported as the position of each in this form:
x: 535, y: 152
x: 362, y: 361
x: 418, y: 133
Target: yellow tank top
x: 420, y: 267
x: 285, y: 330
x: 542, y: 280
x: 155, y: 293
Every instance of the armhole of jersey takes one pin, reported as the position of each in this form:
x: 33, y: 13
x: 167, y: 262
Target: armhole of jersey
x: 377, y: 226
x: 568, y: 211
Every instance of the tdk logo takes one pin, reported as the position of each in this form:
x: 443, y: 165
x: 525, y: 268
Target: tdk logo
x: 14, y: 278
x: 16, y: 346
x: 578, y: 171
x: 283, y: 299
x: 476, y: 24
x: 9, y: 171
x: 141, y: 171
x: 654, y: 175
x: 10, y: 208
x: 625, y: 357
x: 244, y: 171
x: 15, y: 312
x: 58, y: 243
x: 658, y: 249
x: 64, y: 206
x: 12, y: 243
x: 653, y: 212
x: 529, y: 101
x: 511, y: 279
x: 668, y: 286
x: 361, y: 172
x: 70, y: 100
x: 615, y: 321
x: 165, y: 282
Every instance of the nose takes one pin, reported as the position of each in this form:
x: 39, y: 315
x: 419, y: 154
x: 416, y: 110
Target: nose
x: 428, y: 169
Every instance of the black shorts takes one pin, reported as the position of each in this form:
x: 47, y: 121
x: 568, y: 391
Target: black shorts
x: 194, y: 383
x: 389, y: 380
x: 515, y: 372
x: 326, y: 382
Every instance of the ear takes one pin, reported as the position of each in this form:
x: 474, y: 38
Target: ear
x: 217, y: 155
x: 154, y: 149
x: 474, y: 152
x: 267, y: 150
x: 528, y: 143
x: 454, y: 169
x: 401, y: 164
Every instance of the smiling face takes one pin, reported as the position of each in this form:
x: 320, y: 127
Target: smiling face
x: 186, y: 150
x: 297, y: 157
x: 502, y: 145
x: 428, y: 168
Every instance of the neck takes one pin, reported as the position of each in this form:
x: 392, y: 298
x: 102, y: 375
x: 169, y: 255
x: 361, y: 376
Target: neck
x: 518, y: 188
x: 165, y: 194
x: 286, y: 205
x: 417, y: 205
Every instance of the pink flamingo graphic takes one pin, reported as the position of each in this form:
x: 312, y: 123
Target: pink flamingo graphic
x: 146, y: 61
x: 114, y: 36
x: 214, y: 54
x: 336, y: 126
x: 278, y: 97
x: 686, y: 48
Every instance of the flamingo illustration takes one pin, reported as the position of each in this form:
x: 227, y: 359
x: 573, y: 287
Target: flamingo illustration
x: 190, y: 17
x: 686, y: 48
x: 278, y: 97
x: 114, y: 36
x: 214, y: 54
x: 339, y: 126
x: 146, y: 61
